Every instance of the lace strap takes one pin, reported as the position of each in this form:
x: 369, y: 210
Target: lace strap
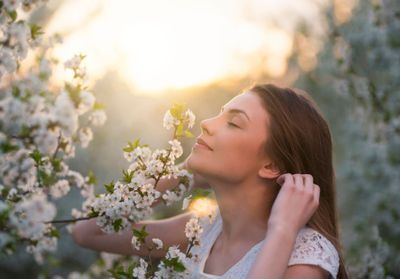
x: 313, y: 248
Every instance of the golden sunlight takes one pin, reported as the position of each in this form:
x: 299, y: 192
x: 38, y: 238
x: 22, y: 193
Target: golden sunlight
x: 160, y: 45
x: 202, y: 206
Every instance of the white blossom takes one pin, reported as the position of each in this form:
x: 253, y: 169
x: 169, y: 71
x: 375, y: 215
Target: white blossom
x: 176, y: 148
x: 140, y: 271
x: 135, y: 243
x: 158, y: 242
x: 98, y: 117
x: 193, y: 230
x: 85, y: 136
x: 86, y: 102
x: 30, y: 214
x: 73, y: 62
x: 169, y: 121
x: 60, y: 188
x: 186, y: 202
x: 191, y: 118
x: 65, y: 113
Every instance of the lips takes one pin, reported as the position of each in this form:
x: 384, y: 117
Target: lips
x: 202, y: 142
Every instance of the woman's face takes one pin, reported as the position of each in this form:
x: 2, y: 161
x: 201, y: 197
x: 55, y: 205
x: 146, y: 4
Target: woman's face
x: 236, y: 139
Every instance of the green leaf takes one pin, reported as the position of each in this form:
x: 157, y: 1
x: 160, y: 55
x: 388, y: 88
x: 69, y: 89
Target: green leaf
x: 110, y: 187
x: 56, y: 163
x: 6, y: 147
x: 131, y: 267
x: 12, y: 14
x: 93, y: 213
x: 132, y: 145
x: 200, y: 193
x: 188, y: 134
x: 36, y: 31
x: 74, y: 93
x: 47, y: 179
x: 177, y: 110
x: 91, y: 178
x: 16, y: 92
x: 174, y: 263
x: 117, y: 272
x: 25, y: 131
x: 179, y: 130
x: 98, y: 105
x: 4, y: 217
x: 36, y: 156
x: 55, y: 233
x: 141, y: 234
x: 128, y: 175
x: 117, y: 225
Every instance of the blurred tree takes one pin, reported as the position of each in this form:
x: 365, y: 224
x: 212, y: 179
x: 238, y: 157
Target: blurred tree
x: 358, y: 81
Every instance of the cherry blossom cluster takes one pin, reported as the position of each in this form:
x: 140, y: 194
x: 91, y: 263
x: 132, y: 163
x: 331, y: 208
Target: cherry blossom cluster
x: 40, y: 126
x: 130, y: 200
x: 16, y: 37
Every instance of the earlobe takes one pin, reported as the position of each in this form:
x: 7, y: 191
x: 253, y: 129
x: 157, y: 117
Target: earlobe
x: 269, y: 171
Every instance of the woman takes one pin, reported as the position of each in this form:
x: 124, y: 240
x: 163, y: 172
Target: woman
x: 268, y: 158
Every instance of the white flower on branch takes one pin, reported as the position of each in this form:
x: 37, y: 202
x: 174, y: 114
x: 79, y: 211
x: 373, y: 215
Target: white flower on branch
x: 169, y: 121
x: 176, y: 148
x: 7, y: 61
x: 86, y: 103
x: 64, y: 111
x: 193, y: 230
x: 186, y: 202
x: 190, y: 117
x: 158, y: 242
x: 60, y: 188
x: 141, y: 270
x: 29, y: 215
x: 85, y: 136
x: 98, y: 117
x: 135, y: 243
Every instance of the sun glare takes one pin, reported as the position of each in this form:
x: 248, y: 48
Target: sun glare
x: 160, y: 45
x: 203, y: 206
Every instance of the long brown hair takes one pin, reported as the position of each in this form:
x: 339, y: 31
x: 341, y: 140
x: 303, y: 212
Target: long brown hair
x: 300, y: 142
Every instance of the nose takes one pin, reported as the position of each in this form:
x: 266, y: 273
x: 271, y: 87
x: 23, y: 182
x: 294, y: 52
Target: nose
x: 205, y: 126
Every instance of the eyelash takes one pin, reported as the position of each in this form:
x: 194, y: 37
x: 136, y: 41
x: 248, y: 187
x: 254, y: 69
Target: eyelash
x: 231, y: 124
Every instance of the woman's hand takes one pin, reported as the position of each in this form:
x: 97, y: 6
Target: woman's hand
x: 296, y: 202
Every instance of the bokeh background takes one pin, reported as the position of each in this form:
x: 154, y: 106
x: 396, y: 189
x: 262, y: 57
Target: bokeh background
x: 143, y: 56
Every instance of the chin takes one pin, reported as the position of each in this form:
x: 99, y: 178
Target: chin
x: 196, y: 164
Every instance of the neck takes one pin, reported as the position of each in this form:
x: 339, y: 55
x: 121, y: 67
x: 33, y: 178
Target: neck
x: 245, y: 208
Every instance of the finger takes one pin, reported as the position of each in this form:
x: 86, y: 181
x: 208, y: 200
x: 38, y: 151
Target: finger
x: 298, y: 181
x: 284, y: 179
x: 309, y: 183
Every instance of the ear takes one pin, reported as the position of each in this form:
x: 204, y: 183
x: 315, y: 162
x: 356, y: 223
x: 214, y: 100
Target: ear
x: 269, y: 171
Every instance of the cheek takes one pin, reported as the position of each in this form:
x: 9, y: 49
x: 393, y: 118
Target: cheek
x: 238, y: 155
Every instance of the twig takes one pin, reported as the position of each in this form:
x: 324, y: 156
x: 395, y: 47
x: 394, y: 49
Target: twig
x: 68, y: 220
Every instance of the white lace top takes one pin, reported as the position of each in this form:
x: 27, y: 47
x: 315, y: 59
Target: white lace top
x: 310, y: 248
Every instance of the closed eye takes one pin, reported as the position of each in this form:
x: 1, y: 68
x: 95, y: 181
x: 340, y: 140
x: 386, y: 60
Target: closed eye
x: 233, y: 124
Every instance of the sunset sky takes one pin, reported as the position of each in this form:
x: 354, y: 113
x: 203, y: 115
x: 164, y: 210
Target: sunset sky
x: 159, y: 45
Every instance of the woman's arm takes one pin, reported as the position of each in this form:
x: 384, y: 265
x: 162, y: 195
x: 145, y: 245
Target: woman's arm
x: 296, y: 202
x: 171, y: 231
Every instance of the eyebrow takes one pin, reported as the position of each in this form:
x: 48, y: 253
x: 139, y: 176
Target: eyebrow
x: 233, y: 110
